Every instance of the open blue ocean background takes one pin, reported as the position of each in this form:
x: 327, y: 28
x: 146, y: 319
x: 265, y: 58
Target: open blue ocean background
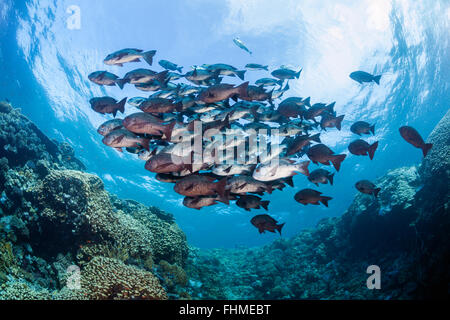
x: 44, y: 67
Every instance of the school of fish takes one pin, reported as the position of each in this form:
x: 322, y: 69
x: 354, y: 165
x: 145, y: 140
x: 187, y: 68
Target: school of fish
x: 178, y: 120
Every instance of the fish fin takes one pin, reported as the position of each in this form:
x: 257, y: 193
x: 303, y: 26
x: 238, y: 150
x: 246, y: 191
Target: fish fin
x: 375, y: 192
x: 167, y: 131
x: 242, y: 186
x: 136, y: 60
x: 307, y: 101
x: 303, y: 167
x: 190, y: 187
x: 339, y: 122
x: 179, y: 106
x: 161, y: 77
x: 265, y: 205
x: 114, y: 113
x: 377, y: 79
x: 426, y: 148
x: 241, y: 74
x: 269, y: 189
x: 242, y: 89
x: 261, y: 230
x: 119, y: 64
x: 325, y: 200
x: 121, y: 105
x: 315, y: 138
x: 372, y: 149
x: 337, y: 160
x: 372, y: 129
x: 180, y: 69
x: 121, y: 83
x: 289, y: 181
x: 220, y: 187
x: 330, y: 178
x: 297, y: 75
x: 280, y: 227
x: 146, y: 144
x: 148, y: 56
x: 225, y: 198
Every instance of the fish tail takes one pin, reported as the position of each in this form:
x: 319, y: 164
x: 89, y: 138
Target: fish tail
x: 377, y: 79
x: 289, y: 181
x: 265, y: 205
x: 145, y: 144
x: 426, y: 148
x: 330, y: 178
x: 325, y: 200
x: 315, y: 138
x: 375, y: 192
x: 339, y: 122
x: 180, y: 69
x: 303, y: 167
x: 337, y: 160
x: 169, y: 129
x: 297, y: 75
x: 242, y: 89
x: 372, y: 149
x: 121, y: 105
x: 372, y: 129
x: 161, y: 77
x: 241, y: 74
x: 148, y: 56
x: 220, y: 187
x: 121, y: 83
x: 279, y: 227
x: 225, y: 198
x: 307, y: 101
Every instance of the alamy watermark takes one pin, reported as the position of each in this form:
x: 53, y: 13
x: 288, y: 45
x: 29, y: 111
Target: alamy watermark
x: 374, y: 281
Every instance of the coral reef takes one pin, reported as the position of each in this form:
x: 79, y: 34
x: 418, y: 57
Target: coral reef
x: 406, y: 232
x: 54, y: 216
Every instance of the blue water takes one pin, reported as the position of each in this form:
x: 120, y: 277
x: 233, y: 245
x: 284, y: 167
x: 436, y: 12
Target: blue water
x: 44, y: 67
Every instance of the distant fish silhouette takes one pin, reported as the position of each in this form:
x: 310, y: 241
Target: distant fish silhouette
x: 241, y: 44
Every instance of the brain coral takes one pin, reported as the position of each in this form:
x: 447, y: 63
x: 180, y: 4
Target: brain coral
x: 106, y: 278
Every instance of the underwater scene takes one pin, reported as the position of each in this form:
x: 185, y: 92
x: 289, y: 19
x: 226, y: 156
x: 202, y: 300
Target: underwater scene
x: 224, y: 150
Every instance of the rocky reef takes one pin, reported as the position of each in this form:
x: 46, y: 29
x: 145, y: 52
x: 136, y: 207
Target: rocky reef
x: 406, y: 232
x: 57, y: 220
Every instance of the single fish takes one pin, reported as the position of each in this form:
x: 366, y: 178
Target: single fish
x: 255, y: 67
x: 321, y: 176
x: 226, y: 70
x: 268, y: 82
x: 252, y: 202
x: 197, y: 185
x: 286, y: 74
x: 413, y: 137
x: 203, y: 201
x: 221, y: 92
x: 145, y: 123
x: 293, y: 107
x: 120, y: 57
x: 362, y: 76
x: 330, y: 121
x: 367, y: 187
x: 160, y: 105
x: 109, y: 126
x: 170, y: 65
x: 168, y: 163
x: 320, y: 153
x: 319, y: 109
x: 299, y: 142
x: 246, y: 184
x: 103, y: 78
x: 241, y: 44
x: 310, y: 196
x: 255, y: 93
x: 362, y: 148
x: 264, y: 222
x: 142, y: 77
x: 362, y: 127
x: 123, y: 138
x: 105, y: 105
x: 283, y: 169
